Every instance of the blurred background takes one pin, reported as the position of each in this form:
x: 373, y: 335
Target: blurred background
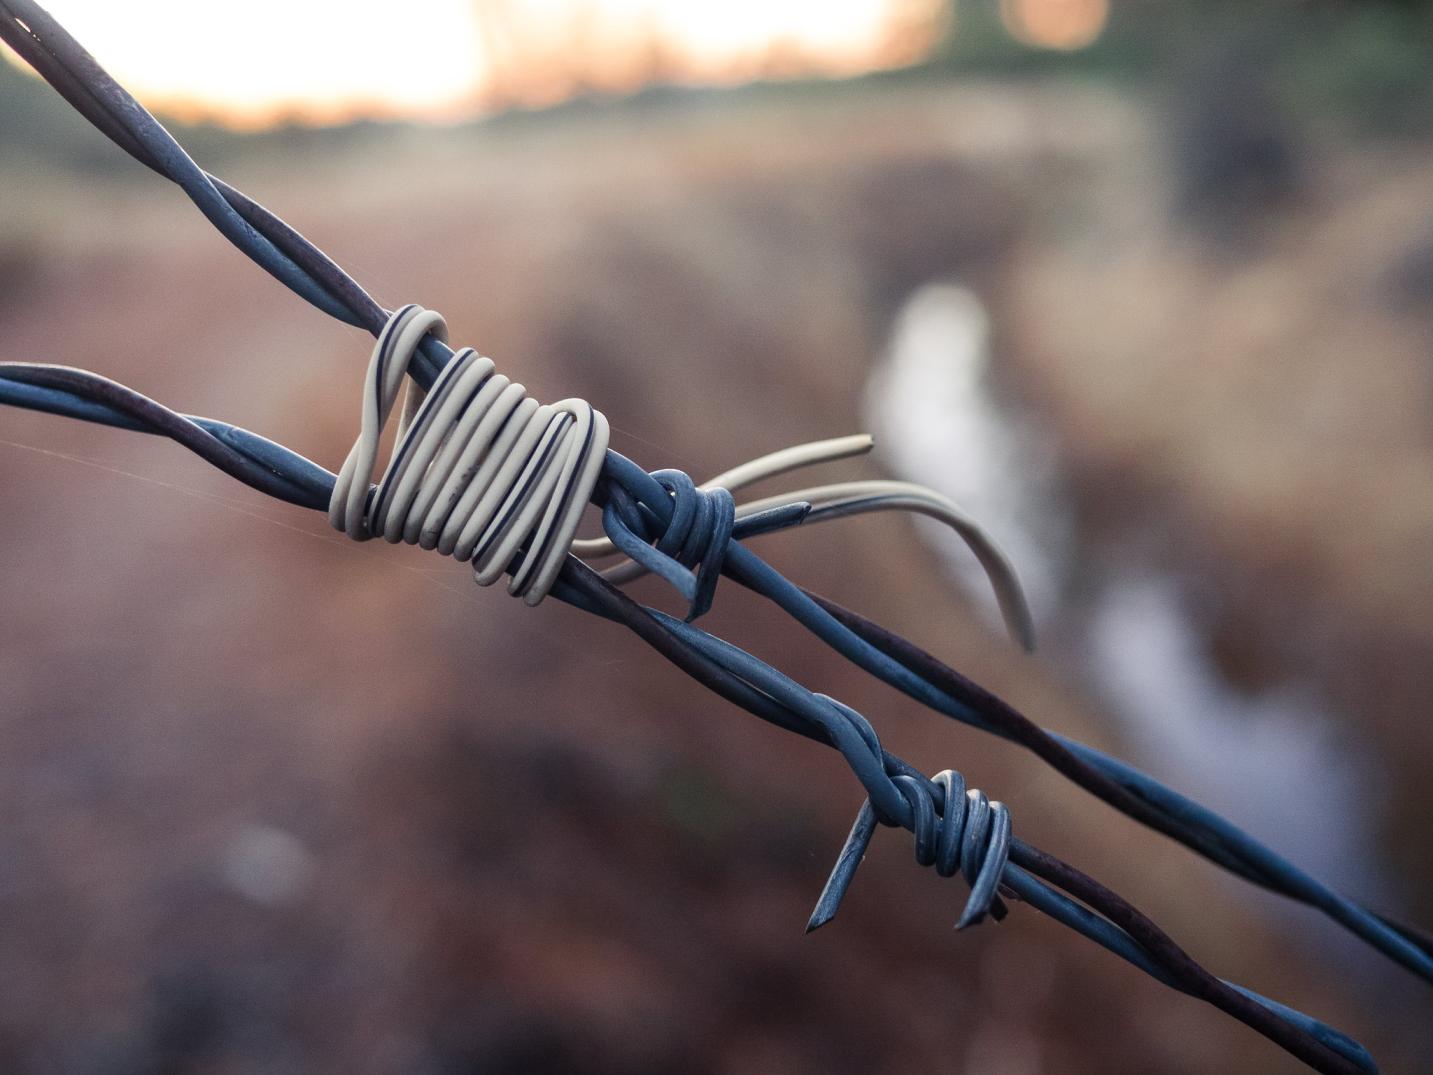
x: 1147, y: 286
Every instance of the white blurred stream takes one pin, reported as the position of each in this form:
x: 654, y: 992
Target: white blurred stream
x: 1273, y: 762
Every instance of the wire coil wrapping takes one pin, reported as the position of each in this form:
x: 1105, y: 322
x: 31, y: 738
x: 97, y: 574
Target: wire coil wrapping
x: 479, y: 472
x: 956, y: 831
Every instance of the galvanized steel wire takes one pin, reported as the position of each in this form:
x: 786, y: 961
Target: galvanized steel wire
x: 556, y: 460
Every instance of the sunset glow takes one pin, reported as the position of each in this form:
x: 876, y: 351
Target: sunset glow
x: 325, y: 60
x: 1055, y: 24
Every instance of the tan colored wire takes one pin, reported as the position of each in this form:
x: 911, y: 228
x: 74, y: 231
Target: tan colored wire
x: 479, y: 471
x: 751, y: 472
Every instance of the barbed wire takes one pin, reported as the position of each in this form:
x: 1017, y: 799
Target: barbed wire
x: 692, y: 536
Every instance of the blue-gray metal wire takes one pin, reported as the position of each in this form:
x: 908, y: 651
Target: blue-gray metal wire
x: 897, y: 792
x: 638, y: 509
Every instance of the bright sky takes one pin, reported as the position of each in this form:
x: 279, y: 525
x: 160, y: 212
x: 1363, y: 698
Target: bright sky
x: 326, y: 59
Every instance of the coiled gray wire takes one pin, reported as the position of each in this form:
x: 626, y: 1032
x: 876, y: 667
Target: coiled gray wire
x: 479, y: 471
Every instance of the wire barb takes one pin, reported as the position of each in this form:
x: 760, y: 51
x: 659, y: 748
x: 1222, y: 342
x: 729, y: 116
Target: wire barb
x: 696, y: 536
x: 480, y: 472
x: 959, y: 832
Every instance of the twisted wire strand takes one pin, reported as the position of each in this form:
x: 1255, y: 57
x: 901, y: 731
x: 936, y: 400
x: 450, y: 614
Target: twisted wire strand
x: 1117, y: 926
x: 480, y: 471
x: 306, y: 270
x: 296, y: 262
x: 1102, y: 916
x: 762, y: 690
x: 955, y: 830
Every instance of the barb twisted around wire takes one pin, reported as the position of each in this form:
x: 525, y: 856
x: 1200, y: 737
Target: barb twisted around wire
x: 667, y: 525
x: 696, y: 536
x: 480, y: 471
x: 955, y: 831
